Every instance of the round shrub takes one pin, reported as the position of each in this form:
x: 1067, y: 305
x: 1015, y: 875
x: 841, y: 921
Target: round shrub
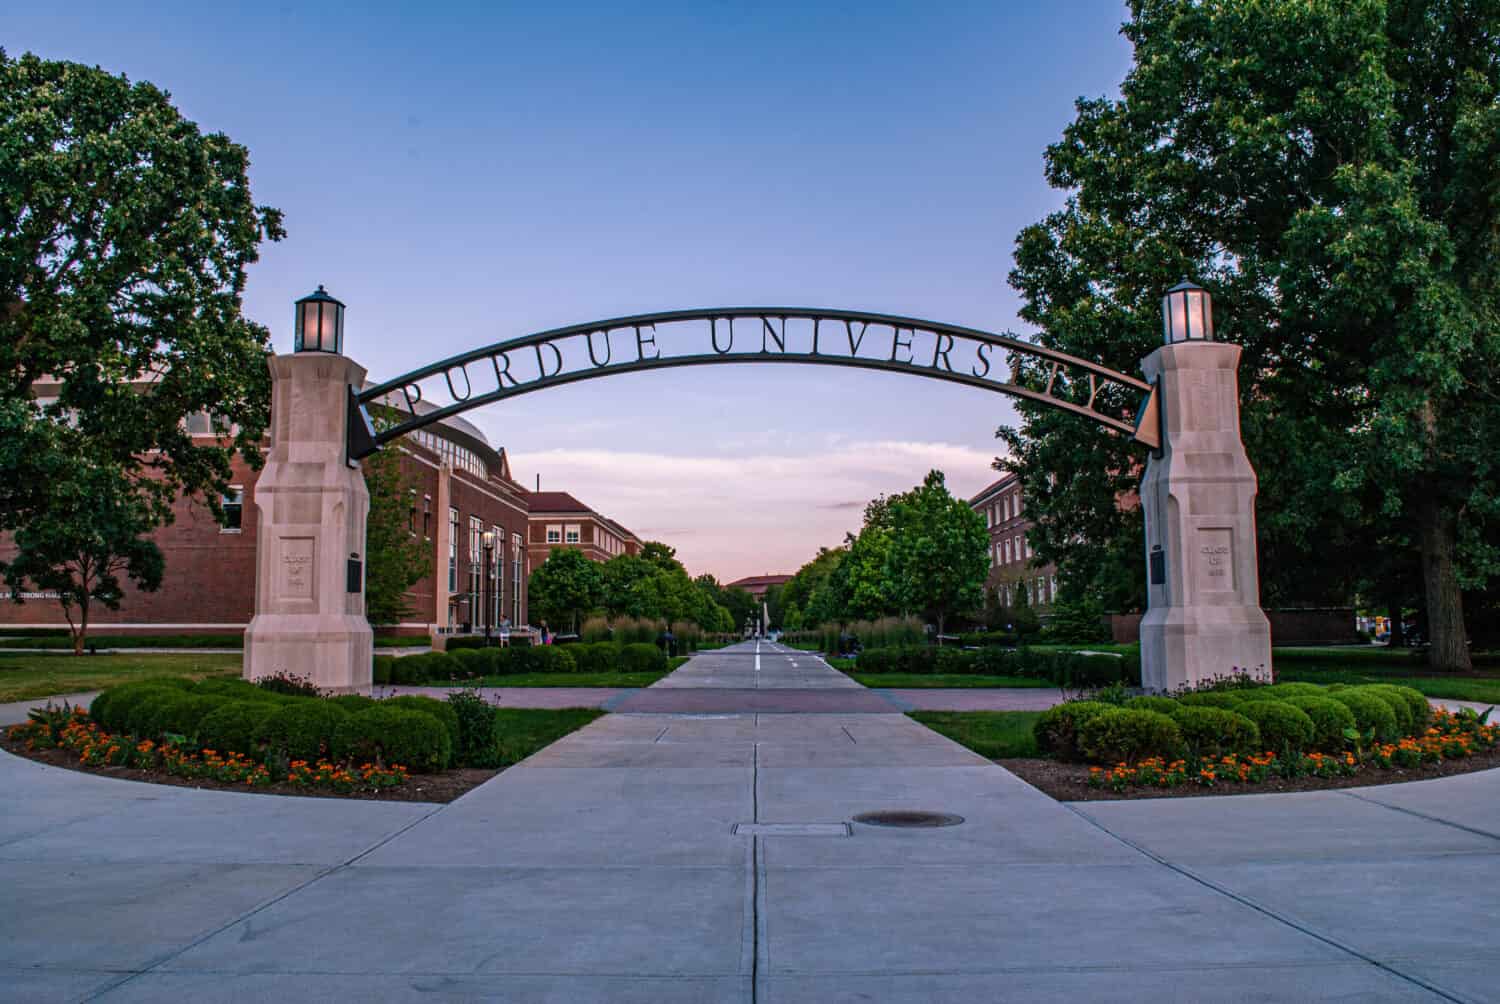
x: 1057, y: 730
x: 396, y: 735
x: 600, y: 657
x: 642, y: 658
x: 1329, y: 718
x: 180, y: 716
x: 352, y: 702
x: 410, y: 670
x: 1213, y: 699
x: 441, y: 710
x: 1418, y: 711
x: 1283, y: 728
x: 380, y: 672
x: 236, y: 727
x: 238, y: 689
x: 1215, y: 732
x: 471, y: 662
x: 1165, y: 705
x: 143, y: 717
x: 1370, y: 712
x: 1125, y: 735
x: 112, y: 708
x: 1281, y: 691
x: 305, y: 730
x: 552, y: 659
x: 1396, y: 703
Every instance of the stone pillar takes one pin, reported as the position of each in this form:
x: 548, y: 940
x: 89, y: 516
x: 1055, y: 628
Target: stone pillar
x: 1204, y: 619
x: 312, y: 508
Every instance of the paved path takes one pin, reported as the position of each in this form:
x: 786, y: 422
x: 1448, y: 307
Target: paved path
x: 640, y: 860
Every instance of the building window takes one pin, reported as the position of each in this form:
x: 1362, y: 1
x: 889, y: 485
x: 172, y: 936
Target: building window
x: 497, y: 575
x: 554, y: 534
x: 476, y: 562
x: 427, y: 517
x: 571, y: 535
x: 1006, y: 544
x: 411, y: 512
x: 452, y: 550
x: 516, y: 550
x: 233, y: 504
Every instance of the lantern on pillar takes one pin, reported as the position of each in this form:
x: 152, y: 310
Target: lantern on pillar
x: 1187, y: 314
x: 320, y: 323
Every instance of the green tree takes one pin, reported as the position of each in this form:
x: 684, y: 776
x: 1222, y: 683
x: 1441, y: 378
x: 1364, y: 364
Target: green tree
x: 939, y: 551
x: 621, y: 573
x: 740, y: 605
x: 1326, y: 168
x: 565, y: 587
x: 660, y: 555
x: 93, y: 530
x: 395, y: 557
x: 125, y: 234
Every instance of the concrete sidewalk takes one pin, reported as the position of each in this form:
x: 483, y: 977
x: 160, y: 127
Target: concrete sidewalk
x: 714, y: 857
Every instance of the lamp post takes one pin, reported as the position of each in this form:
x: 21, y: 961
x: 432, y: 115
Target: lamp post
x: 488, y: 538
x: 320, y: 323
x: 1187, y: 314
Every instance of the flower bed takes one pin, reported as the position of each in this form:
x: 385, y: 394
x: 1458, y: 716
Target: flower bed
x: 72, y: 731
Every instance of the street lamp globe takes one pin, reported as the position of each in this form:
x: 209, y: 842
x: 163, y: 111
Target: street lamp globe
x: 1187, y: 314
x: 320, y: 323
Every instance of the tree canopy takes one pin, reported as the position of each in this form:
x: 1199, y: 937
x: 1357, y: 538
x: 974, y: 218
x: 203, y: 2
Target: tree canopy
x: 564, y: 588
x: 1327, y: 170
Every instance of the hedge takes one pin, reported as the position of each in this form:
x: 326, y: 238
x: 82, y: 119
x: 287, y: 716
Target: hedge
x: 1283, y: 727
x: 236, y: 727
x: 1215, y: 732
x: 440, y: 710
x: 305, y: 730
x: 1329, y: 718
x: 1227, y: 699
x: 1126, y: 735
x: 642, y: 658
x: 1057, y: 730
x: 1370, y: 712
x: 395, y: 735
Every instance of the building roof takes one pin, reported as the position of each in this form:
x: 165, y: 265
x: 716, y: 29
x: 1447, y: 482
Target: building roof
x: 993, y: 487
x: 555, y: 502
x: 758, y: 580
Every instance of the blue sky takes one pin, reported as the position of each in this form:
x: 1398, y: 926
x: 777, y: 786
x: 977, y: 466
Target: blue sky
x: 461, y: 174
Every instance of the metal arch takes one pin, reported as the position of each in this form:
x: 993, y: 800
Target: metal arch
x: 364, y: 440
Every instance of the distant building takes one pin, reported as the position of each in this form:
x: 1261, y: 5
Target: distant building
x: 757, y: 585
x: 1012, y: 561
x: 559, y: 520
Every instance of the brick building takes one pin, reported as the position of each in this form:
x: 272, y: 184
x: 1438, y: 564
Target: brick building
x: 557, y: 519
x: 460, y: 488
x: 757, y: 585
x: 1012, y: 561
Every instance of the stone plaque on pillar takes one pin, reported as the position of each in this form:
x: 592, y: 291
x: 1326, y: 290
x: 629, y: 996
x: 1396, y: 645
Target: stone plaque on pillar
x: 1204, y: 619
x: 312, y: 505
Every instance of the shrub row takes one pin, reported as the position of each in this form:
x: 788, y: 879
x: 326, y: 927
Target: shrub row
x: 1285, y: 719
x: 469, y: 663
x: 226, y: 716
x: 1068, y: 669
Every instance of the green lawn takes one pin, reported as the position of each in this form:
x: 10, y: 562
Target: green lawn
x: 520, y: 732
x: 992, y: 734
x: 572, y: 680
x: 28, y: 675
x: 934, y: 680
x: 1481, y: 687
x: 54, y: 640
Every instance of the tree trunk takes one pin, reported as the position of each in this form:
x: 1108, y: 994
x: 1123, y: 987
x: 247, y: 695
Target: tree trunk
x: 1397, y: 637
x: 80, y: 632
x: 1438, y: 531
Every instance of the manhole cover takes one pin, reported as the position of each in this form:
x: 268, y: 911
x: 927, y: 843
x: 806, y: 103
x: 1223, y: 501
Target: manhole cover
x: 908, y: 818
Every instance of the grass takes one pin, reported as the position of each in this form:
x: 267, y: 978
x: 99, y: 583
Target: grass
x: 995, y: 735
x: 1453, y: 688
x: 571, y: 680
x: 24, y: 676
x: 520, y: 732
x: 676, y: 661
x: 935, y: 680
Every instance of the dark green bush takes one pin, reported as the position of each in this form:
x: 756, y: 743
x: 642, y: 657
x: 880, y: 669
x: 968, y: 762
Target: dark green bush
x: 1214, y: 732
x: 235, y: 688
x: 1227, y: 699
x: 982, y: 639
x: 1329, y: 718
x: 441, y: 710
x: 598, y: 657
x: 552, y: 659
x: 289, y: 685
x: 1126, y: 735
x: 111, y: 709
x: 1057, y: 730
x: 476, y: 727
x: 180, y: 716
x: 380, y: 673
x: 514, y: 660
x: 352, y: 702
x: 1283, y: 727
x: 396, y: 735
x: 410, y: 670
x: 1418, y: 711
x: 236, y: 727
x: 1399, y: 708
x: 305, y: 730
x: 1370, y: 712
x: 466, y: 643
x: 642, y: 658
x: 472, y: 662
x: 1165, y: 705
